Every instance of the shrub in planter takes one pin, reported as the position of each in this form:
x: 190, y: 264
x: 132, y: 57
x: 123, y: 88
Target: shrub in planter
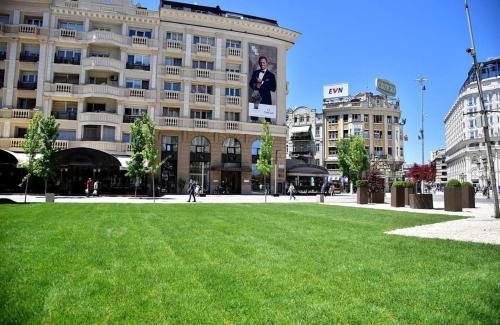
x: 453, y: 196
x: 468, y: 195
x: 362, y: 192
x: 409, y: 189
x: 398, y: 194
x: 375, y: 186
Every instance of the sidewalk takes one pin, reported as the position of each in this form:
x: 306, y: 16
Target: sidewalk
x: 478, y: 225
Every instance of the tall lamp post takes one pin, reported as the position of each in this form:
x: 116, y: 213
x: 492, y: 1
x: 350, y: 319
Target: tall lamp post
x: 422, y: 81
x: 484, y: 115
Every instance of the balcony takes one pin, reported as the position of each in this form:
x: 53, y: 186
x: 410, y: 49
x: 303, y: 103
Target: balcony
x: 28, y: 29
x: 3, y: 55
x: 203, y: 49
x: 378, y: 155
x: 171, y: 70
x: 16, y: 113
x: 173, y: 45
x: 72, y: 116
x: 203, y: 73
x: 235, y: 52
x: 29, y: 57
x: 233, y: 100
x: 173, y: 96
x: 26, y: 85
x: 91, y: 90
x: 234, y: 76
x: 102, y: 63
x: 202, y: 98
x: 67, y: 60
x: 137, y: 66
x: 100, y: 117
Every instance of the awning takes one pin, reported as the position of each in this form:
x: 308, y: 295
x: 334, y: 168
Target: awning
x: 301, y: 129
x: 124, y: 161
x: 13, y: 158
x: 295, y: 167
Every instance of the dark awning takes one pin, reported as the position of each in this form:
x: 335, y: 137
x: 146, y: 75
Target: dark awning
x: 85, y: 157
x: 295, y: 167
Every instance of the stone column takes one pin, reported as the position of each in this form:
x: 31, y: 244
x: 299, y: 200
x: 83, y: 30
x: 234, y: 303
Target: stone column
x: 218, y: 51
x: 11, y: 71
x: 153, y: 64
x: 16, y: 17
x: 50, y: 62
x: 6, y: 129
x: 86, y: 25
x: 123, y: 59
x: 124, y: 29
x: 189, y: 45
x: 42, y: 62
x: 46, y: 16
x: 53, y: 22
x: 244, y: 88
x: 83, y: 55
x: 217, y: 106
x: 187, y: 91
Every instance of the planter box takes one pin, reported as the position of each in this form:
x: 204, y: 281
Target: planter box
x: 408, y: 191
x: 468, y: 197
x: 421, y: 201
x: 362, y: 195
x: 452, y: 199
x: 398, y: 197
x: 49, y: 197
x: 377, y: 197
x: 320, y: 198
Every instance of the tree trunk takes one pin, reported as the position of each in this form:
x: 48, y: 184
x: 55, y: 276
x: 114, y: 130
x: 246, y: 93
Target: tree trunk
x: 26, y: 188
x: 45, y: 186
x: 135, y: 186
x: 153, y: 176
x: 265, y: 189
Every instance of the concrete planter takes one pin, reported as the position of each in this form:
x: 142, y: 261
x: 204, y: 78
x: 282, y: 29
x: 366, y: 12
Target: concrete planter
x: 362, y: 195
x: 408, y: 191
x: 468, y: 197
x: 320, y: 198
x: 377, y: 197
x: 453, y: 199
x: 50, y: 197
x: 398, y: 197
x: 421, y: 201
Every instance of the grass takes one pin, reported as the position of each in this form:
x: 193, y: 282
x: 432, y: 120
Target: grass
x: 275, y: 263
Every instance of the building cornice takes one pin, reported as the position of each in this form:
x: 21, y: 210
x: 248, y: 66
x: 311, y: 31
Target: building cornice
x: 229, y: 24
x: 105, y: 15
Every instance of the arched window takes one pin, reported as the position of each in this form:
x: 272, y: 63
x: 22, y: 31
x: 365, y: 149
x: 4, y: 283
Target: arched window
x: 199, y: 165
x: 257, y: 177
x: 231, y: 151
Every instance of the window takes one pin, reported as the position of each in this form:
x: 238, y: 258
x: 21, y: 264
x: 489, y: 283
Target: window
x: 356, y: 117
x: 138, y: 59
x: 68, y: 135
x: 170, y: 111
x: 346, y: 117
x: 140, y: 32
x: 366, y: 118
x: 232, y: 116
x: 201, y: 114
x: 366, y: 134
x: 333, y: 135
x: 99, y: 54
x: 233, y: 68
x: 332, y: 151
x: 30, y: 49
x: 346, y: 134
x: 137, y: 84
x: 91, y: 133
x: 389, y: 119
x: 171, y: 36
x: 471, y: 123
x: 389, y: 151
x: 37, y: 21
x: 377, y: 134
x: 169, y: 143
x: 130, y: 111
x: 233, y: 44
x: 332, y: 166
x: 4, y: 19
x: 395, y: 120
x: 177, y: 62
x: 29, y: 77
x: 233, y: 92
x: 378, y: 151
x: 96, y: 107
x: 108, y: 133
x: 201, y: 89
x: 357, y: 131
x: 126, y: 138
x: 377, y: 119
x: 68, y: 53
x: 203, y: 65
x: 318, y: 131
x: 389, y: 135
x: 333, y: 119
x: 317, y: 147
x: 72, y: 25
x: 204, y: 40
x: 172, y: 86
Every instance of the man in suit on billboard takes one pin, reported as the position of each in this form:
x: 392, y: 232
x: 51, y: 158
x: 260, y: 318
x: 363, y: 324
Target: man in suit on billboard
x: 264, y: 82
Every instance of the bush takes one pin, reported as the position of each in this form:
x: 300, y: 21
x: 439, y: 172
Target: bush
x: 409, y: 184
x: 466, y: 184
x: 399, y: 184
x: 362, y: 183
x: 375, y: 181
x: 453, y: 183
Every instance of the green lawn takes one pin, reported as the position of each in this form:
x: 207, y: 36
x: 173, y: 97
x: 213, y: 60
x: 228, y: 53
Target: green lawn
x: 241, y: 263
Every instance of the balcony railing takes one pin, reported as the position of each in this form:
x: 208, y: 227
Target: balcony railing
x: 99, y: 91
x: 130, y: 118
x: 138, y: 66
x: 65, y: 144
x: 29, y: 57
x: 19, y: 113
x: 67, y: 60
x: 140, y: 40
x: 100, y: 117
x: 28, y: 29
x: 65, y: 115
x: 136, y: 92
x: 171, y: 70
x: 173, y: 45
x: 203, y: 73
x: 171, y: 95
x: 202, y: 98
x: 66, y: 33
x: 26, y: 85
x: 203, y: 48
x: 95, y: 61
x: 233, y: 76
x: 231, y: 51
x: 233, y: 100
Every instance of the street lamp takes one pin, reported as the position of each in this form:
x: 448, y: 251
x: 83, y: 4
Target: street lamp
x: 486, y: 131
x: 422, y: 81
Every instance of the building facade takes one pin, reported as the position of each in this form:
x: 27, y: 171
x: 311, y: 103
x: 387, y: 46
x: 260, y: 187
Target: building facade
x: 465, y: 149
x: 305, y: 135
x: 377, y: 119
x: 438, y: 161
x: 98, y: 65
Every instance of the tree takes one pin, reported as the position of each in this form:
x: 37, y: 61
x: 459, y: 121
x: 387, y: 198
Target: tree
x: 31, y: 145
x: 357, y: 159
x: 422, y: 173
x: 265, y: 162
x: 45, y: 165
x: 150, y: 149
x: 135, y: 168
x: 343, y: 149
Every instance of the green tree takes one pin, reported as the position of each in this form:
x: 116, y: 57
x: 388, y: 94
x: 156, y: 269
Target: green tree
x: 343, y: 151
x: 45, y: 164
x: 31, y: 145
x: 135, y: 168
x: 151, y: 151
x: 357, y: 159
x: 265, y: 163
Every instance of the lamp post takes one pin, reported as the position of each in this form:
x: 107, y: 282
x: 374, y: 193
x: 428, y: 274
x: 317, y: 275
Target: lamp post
x: 486, y: 131
x: 422, y: 81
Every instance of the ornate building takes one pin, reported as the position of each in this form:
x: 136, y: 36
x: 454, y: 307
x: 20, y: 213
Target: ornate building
x: 305, y: 135
x: 98, y: 65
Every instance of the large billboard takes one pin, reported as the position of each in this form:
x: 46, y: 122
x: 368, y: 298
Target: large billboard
x: 263, y: 65
x: 335, y: 91
x: 385, y: 87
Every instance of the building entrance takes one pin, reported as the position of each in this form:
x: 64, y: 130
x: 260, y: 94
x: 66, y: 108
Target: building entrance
x: 231, y: 182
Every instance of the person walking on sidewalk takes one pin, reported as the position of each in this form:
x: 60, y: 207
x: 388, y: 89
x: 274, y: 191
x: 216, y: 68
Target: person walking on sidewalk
x: 88, y: 187
x: 191, y: 188
x: 291, y: 190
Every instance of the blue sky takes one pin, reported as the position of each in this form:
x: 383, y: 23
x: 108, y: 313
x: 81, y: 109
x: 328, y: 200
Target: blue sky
x: 357, y: 41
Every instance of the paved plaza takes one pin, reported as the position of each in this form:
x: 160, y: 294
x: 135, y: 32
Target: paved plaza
x: 477, y: 225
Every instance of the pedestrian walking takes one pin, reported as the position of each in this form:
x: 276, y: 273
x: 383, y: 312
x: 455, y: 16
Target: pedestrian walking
x: 291, y: 190
x: 332, y: 190
x: 191, y: 189
x: 96, y: 188
x: 88, y: 187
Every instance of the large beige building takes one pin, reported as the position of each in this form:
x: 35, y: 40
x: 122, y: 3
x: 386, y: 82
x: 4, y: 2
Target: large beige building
x: 377, y: 119
x: 97, y: 65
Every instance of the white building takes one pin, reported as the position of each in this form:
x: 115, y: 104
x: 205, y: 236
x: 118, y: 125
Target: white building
x: 438, y: 160
x: 465, y: 149
x: 305, y: 135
